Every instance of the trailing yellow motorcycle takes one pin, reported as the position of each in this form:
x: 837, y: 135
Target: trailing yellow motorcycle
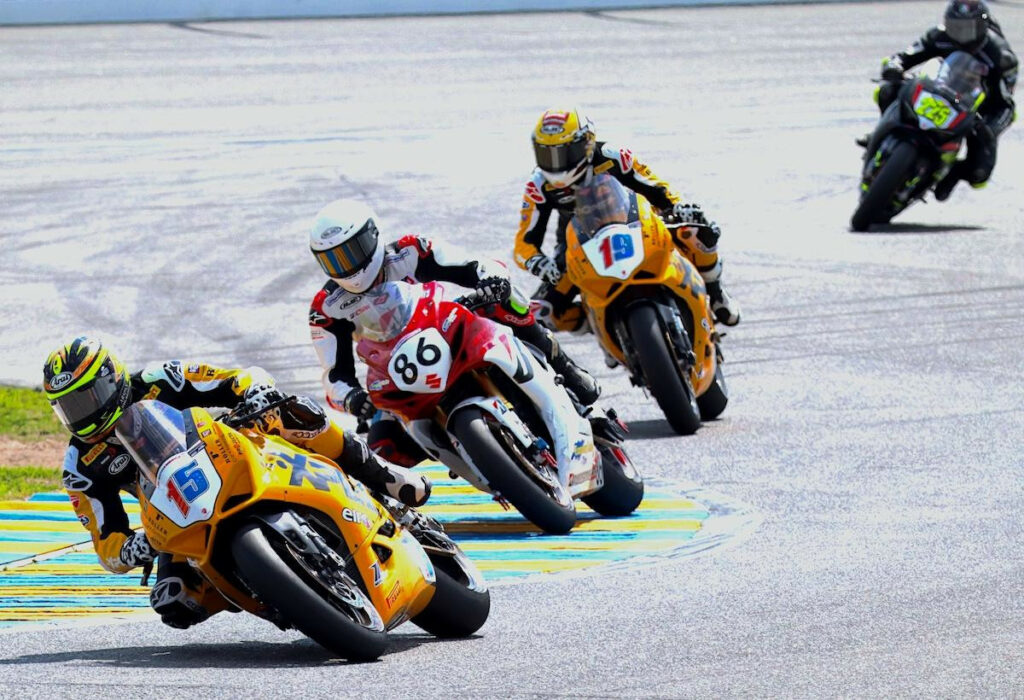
x: 284, y: 534
x: 645, y: 301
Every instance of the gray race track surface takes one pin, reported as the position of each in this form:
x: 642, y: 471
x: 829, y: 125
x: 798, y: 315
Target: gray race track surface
x: 156, y: 185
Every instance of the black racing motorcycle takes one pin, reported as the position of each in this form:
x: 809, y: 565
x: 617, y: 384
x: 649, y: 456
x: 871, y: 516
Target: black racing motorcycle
x: 918, y: 138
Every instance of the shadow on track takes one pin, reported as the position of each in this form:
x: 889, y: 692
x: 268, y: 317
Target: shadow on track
x: 302, y: 653
x: 652, y: 429
x: 881, y: 229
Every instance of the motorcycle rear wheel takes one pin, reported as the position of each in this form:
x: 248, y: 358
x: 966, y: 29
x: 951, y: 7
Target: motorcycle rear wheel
x: 890, y: 177
x: 621, y: 493
x: 664, y: 378
x: 503, y: 472
x: 316, y: 613
x: 713, y: 401
x: 455, y: 610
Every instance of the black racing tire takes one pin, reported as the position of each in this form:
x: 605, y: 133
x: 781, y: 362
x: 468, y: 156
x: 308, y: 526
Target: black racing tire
x: 455, y: 610
x: 890, y: 177
x: 276, y: 583
x: 713, y: 401
x: 671, y: 389
x: 505, y: 476
x: 621, y: 494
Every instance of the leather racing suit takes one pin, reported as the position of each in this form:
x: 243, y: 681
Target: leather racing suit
x: 541, y: 199
x: 998, y: 109
x: 334, y: 312
x: 96, y: 474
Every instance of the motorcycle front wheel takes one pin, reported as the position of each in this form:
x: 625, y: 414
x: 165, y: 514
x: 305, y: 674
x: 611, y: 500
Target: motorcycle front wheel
x: 499, y: 458
x: 339, y: 616
x: 664, y: 378
x: 876, y: 204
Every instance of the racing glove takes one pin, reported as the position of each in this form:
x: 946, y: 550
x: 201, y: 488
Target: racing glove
x: 259, y: 397
x: 544, y: 267
x: 490, y: 290
x: 681, y: 214
x: 357, y: 402
x: 136, y: 550
x: 892, y: 70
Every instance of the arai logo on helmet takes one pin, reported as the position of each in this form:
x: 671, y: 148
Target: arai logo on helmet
x: 60, y: 381
x: 330, y: 232
x: 119, y: 463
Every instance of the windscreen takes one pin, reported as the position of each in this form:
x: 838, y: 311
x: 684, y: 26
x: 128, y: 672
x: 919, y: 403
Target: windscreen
x: 963, y: 74
x: 152, y: 432
x: 600, y: 202
x: 390, y: 306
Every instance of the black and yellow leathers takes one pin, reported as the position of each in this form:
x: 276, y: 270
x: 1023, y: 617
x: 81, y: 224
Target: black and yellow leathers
x: 541, y: 198
x: 96, y: 474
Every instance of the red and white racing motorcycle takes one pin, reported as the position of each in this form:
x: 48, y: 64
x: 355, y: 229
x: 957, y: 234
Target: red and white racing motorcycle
x: 488, y: 407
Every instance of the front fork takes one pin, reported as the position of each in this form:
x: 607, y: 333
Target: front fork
x: 671, y: 322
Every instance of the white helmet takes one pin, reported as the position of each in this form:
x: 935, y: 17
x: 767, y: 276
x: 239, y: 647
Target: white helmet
x: 344, y: 240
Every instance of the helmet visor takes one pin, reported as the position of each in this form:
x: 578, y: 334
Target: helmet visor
x: 78, y: 410
x: 351, y: 256
x: 565, y: 156
x: 966, y: 30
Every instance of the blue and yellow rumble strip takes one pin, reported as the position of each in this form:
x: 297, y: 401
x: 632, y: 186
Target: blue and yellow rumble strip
x: 48, y: 574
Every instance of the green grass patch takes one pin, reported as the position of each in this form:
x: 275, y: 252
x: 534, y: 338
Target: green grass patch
x: 25, y: 414
x: 22, y: 482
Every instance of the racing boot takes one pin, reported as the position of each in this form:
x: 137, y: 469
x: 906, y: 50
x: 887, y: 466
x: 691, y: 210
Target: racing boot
x: 574, y: 378
x: 378, y: 474
x: 181, y: 597
x: 724, y: 307
x: 945, y: 186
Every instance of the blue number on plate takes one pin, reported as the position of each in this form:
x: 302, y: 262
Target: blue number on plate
x: 191, y: 481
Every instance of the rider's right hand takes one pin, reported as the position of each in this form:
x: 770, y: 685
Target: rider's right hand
x: 357, y: 402
x: 892, y: 71
x: 260, y: 396
x: 137, y: 550
x: 490, y: 290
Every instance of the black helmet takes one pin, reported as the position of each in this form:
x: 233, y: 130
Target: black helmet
x: 966, y: 23
x: 87, y: 386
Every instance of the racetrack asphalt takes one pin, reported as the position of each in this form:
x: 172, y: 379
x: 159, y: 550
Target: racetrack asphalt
x: 157, y: 184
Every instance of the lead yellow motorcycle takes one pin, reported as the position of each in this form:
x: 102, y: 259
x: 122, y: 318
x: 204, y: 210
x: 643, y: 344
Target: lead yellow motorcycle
x: 645, y: 301
x: 284, y: 534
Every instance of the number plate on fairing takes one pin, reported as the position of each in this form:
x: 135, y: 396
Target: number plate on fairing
x: 616, y: 251
x: 934, y: 111
x: 421, y: 363
x: 187, y: 488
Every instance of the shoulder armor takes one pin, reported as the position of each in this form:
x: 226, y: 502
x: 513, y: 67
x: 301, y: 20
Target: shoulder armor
x: 317, y: 317
x: 420, y: 244
x: 535, y: 187
x: 72, y: 479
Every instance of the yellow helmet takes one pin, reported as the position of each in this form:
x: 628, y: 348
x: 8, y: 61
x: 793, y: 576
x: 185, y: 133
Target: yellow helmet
x: 563, y: 144
x: 87, y: 386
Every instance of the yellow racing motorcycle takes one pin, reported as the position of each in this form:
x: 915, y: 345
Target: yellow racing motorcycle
x: 645, y: 301
x: 284, y: 534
